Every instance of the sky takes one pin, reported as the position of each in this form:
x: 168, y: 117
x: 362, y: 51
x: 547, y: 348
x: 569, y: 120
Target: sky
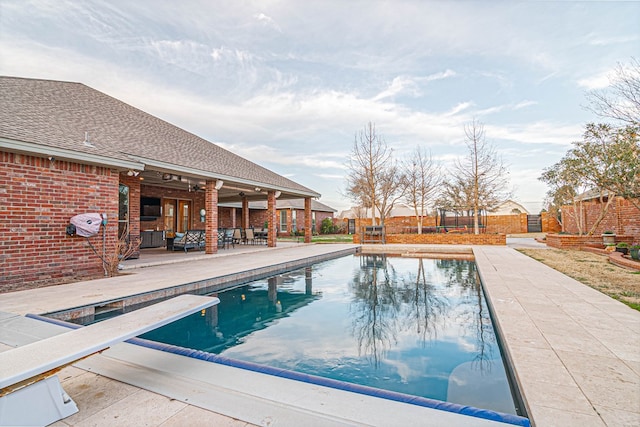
x: 289, y: 84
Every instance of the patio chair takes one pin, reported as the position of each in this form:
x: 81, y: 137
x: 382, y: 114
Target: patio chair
x: 221, y: 242
x: 228, y: 237
x: 237, y: 236
x: 249, y: 236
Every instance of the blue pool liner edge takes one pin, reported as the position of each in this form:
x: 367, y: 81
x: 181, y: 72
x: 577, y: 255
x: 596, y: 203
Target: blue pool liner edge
x: 313, y: 379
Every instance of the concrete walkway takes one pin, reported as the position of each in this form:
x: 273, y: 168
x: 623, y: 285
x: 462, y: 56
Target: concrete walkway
x: 575, y: 351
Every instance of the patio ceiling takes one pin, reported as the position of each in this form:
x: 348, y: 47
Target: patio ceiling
x: 231, y: 191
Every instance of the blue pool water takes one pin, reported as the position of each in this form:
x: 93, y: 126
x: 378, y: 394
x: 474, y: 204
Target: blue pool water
x: 411, y: 325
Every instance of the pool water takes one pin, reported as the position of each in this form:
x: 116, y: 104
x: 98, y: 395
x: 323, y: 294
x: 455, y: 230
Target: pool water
x: 410, y: 325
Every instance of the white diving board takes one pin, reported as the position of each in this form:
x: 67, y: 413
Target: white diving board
x: 27, y: 373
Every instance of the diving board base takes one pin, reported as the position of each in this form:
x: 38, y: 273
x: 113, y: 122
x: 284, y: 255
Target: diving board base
x: 39, y: 404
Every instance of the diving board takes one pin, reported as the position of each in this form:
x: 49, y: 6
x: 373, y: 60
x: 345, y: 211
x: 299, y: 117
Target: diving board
x: 30, y: 392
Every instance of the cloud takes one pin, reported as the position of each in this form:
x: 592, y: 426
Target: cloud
x: 597, y: 81
x: 411, y: 85
x: 459, y: 108
x: 267, y: 21
x: 524, y: 104
x: 609, y: 41
x: 539, y: 132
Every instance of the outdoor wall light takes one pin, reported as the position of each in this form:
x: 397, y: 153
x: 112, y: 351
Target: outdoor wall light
x: 203, y: 213
x: 219, y: 184
x: 133, y: 173
x: 278, y: 193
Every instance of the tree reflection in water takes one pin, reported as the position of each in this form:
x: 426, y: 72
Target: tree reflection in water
x: 386, y: 304
x: 375, y: 307
x: 475, y: 314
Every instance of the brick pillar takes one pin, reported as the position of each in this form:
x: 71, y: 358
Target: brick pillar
x: 245, y: 212
x: 271, y: 215
x: 307, y: 220
x: 211, y: 220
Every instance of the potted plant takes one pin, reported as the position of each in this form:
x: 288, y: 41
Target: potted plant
x: 608, y: 238
x: 633, y: 251
x: 622, y: 247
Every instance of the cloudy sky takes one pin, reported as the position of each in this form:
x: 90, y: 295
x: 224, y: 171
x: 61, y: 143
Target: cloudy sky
x: 287, y: 84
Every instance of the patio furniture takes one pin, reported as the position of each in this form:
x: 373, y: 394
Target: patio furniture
x: 30, y: 390
x: 192, y: 239
x: 237, y: 236
x: 249, y: 236
x: 225, y: 238
x: 261, y: 235
x: 151, y: 239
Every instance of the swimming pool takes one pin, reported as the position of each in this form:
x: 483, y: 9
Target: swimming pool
x: 410, y: 325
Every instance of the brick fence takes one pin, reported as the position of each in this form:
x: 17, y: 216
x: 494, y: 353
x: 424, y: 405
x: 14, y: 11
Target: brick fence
x: 622, y: 218
x: 573, y: 241
x: 495, y: 224
x: 443, y: 239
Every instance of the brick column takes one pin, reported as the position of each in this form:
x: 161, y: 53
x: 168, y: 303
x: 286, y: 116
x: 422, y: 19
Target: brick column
x: 307, y: 220
x: 271, y: 215
x: 245, y: 212
x: 211, y: 220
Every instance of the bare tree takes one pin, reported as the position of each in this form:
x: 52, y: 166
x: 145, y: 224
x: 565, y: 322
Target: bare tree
x: 374, y: 179
x: 621, y: 99
x: 482, y: 173
x: 391, y: 189
x: 422, y: 181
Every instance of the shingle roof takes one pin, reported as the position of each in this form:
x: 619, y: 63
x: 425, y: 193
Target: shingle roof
x: 57, y: 114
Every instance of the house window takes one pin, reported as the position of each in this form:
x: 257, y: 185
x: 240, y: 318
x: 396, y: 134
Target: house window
x: 123, y: 209
x: 283, y: 221
x: 294, y: 216
x: 313, y: 221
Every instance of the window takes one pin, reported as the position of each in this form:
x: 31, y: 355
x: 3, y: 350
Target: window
x: 294, y: 218
x: 123, y: 209
x: 283, y: 221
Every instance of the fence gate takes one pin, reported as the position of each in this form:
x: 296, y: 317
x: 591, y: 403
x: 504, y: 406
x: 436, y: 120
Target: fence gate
x: 352, y: 226
x: 534, y: 223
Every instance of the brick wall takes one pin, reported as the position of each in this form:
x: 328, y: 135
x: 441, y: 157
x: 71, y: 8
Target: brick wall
x: 550, y: 223
x: 622, y: 217
x: 505, y: 224
x: 37, y: 199
x: 573, y: 241
x: 443, y: 239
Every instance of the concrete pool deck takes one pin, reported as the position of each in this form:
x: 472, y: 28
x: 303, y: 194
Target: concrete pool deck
x: 575, y: 352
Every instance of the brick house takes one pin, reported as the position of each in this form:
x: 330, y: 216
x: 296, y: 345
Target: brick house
x: 68, y: 149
